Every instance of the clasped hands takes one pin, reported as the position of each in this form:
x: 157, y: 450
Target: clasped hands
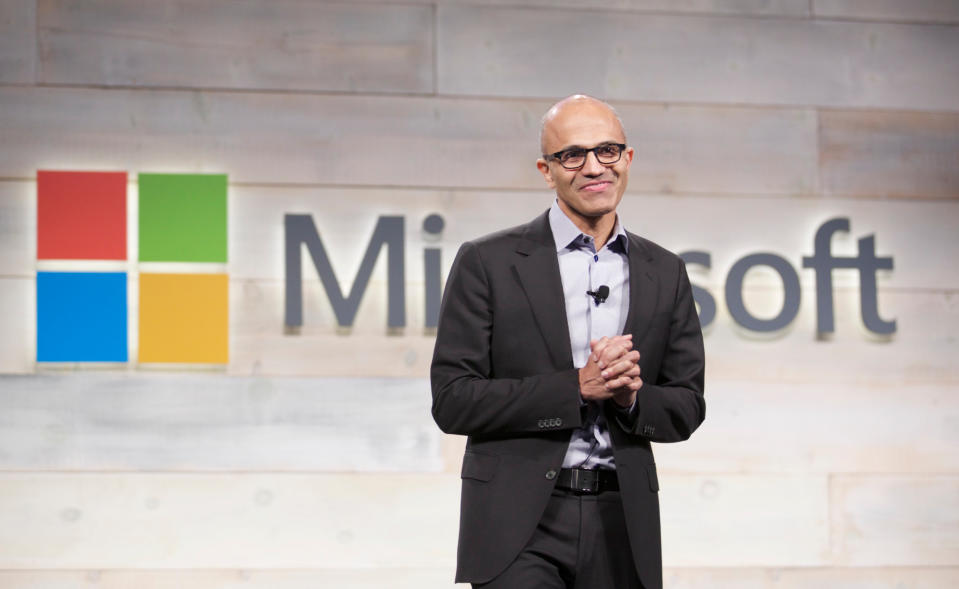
x: 611, y: 372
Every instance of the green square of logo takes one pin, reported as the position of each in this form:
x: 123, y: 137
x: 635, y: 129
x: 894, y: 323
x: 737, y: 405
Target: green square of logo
x: 182, y: 217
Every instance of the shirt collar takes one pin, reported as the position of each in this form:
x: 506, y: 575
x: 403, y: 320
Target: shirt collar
x: 565, y: 232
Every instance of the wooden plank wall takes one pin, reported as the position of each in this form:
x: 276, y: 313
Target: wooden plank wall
x: 311, y: 459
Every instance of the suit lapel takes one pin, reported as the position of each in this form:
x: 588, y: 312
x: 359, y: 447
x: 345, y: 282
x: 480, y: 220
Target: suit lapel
x: 643, y: 290
x: 537, y: 270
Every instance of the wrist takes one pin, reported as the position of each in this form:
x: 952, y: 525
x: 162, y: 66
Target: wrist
x: 625, y: 401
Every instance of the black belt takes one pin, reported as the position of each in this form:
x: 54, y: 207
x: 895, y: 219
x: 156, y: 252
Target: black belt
x: 587, y: 480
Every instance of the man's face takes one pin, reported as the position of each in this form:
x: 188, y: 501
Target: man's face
x: 595, y: 189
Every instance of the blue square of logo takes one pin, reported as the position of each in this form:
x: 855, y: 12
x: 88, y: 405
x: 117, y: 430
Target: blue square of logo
x: 81, y: 317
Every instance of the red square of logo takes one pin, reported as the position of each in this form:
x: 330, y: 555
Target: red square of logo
x: 81, y: 215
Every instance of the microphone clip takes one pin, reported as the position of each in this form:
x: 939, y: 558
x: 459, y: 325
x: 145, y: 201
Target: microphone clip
x: 600, y: 294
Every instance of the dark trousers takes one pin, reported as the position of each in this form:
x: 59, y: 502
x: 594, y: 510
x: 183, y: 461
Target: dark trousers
x: 580, y: 543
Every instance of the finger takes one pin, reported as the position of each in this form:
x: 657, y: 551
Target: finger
x: 612, y: 339
x: 618, y: 383
x: 632, y: 357
x: 635, y: 371
x: 622, y: 367
x: 610, y: 354
x: 597, y: 347
x: 635, y: 383
x: 615, y: 351
x: 623, y: 340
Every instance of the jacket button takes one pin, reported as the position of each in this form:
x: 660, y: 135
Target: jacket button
x: 550, y: 474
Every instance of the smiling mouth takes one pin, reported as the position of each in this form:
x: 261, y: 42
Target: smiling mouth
x: 596, y: 186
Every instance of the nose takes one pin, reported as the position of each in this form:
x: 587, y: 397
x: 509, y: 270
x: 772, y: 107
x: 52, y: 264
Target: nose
x: 592, y: 167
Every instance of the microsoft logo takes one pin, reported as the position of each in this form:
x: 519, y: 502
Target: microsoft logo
x: 85, y: 270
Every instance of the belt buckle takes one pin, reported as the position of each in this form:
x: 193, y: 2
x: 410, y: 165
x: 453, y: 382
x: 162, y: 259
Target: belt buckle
x: 585, y: 480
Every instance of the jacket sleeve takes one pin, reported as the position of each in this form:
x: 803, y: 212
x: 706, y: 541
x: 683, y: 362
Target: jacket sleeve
x: 673, y: 406
x: 469, y: 398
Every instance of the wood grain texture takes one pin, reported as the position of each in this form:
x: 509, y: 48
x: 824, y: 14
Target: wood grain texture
x: 717, y: 520
x: 161, y: 421
x: 282, y: 45
x: 18, y: 229
x: 18, y: 325
x: 343, y: 355
x: 266, y: 520
x: 409, y: 578
x: 341, y: 578
x: 696, y: 59
x: 923, y: 350
x: 793, y: 8
x: 932, y: 11
x: 826, y: 427
x: 895, y: 520
x: 18, y: 46
x: 390, y: 141
x: 890, y: 154
x: 318, y: 521
x: 721, y: 150
x: 813, y: 578
x: 110, y: 421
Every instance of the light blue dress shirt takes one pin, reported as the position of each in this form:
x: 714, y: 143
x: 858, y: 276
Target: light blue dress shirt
x: 584, y: 269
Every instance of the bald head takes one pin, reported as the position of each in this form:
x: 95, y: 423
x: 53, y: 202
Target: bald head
x: 571, y: 112
x: 591, y: 134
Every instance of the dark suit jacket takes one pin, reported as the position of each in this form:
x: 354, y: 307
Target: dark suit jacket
x: 503, y: 375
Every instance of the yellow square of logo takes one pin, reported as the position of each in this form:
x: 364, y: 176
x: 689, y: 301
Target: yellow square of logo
x: 184, y: 318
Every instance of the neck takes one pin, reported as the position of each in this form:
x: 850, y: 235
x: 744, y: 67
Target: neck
x: 599, y: 228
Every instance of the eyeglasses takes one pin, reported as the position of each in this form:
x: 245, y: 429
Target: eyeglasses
x: 574, y: 158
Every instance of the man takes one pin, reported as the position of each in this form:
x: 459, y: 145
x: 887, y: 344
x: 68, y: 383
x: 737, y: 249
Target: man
x: 565, y: 346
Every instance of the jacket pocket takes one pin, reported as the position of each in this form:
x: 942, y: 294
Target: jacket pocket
x: 481, y: 467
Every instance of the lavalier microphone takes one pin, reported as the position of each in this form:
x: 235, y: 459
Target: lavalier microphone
x: 600, y: 294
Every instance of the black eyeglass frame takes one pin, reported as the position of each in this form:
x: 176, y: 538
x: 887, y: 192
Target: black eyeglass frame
x: 556, y: 156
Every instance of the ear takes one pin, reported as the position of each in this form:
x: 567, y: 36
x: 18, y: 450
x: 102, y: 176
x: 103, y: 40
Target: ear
x: 629, y: 156
x: 543, y: 167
